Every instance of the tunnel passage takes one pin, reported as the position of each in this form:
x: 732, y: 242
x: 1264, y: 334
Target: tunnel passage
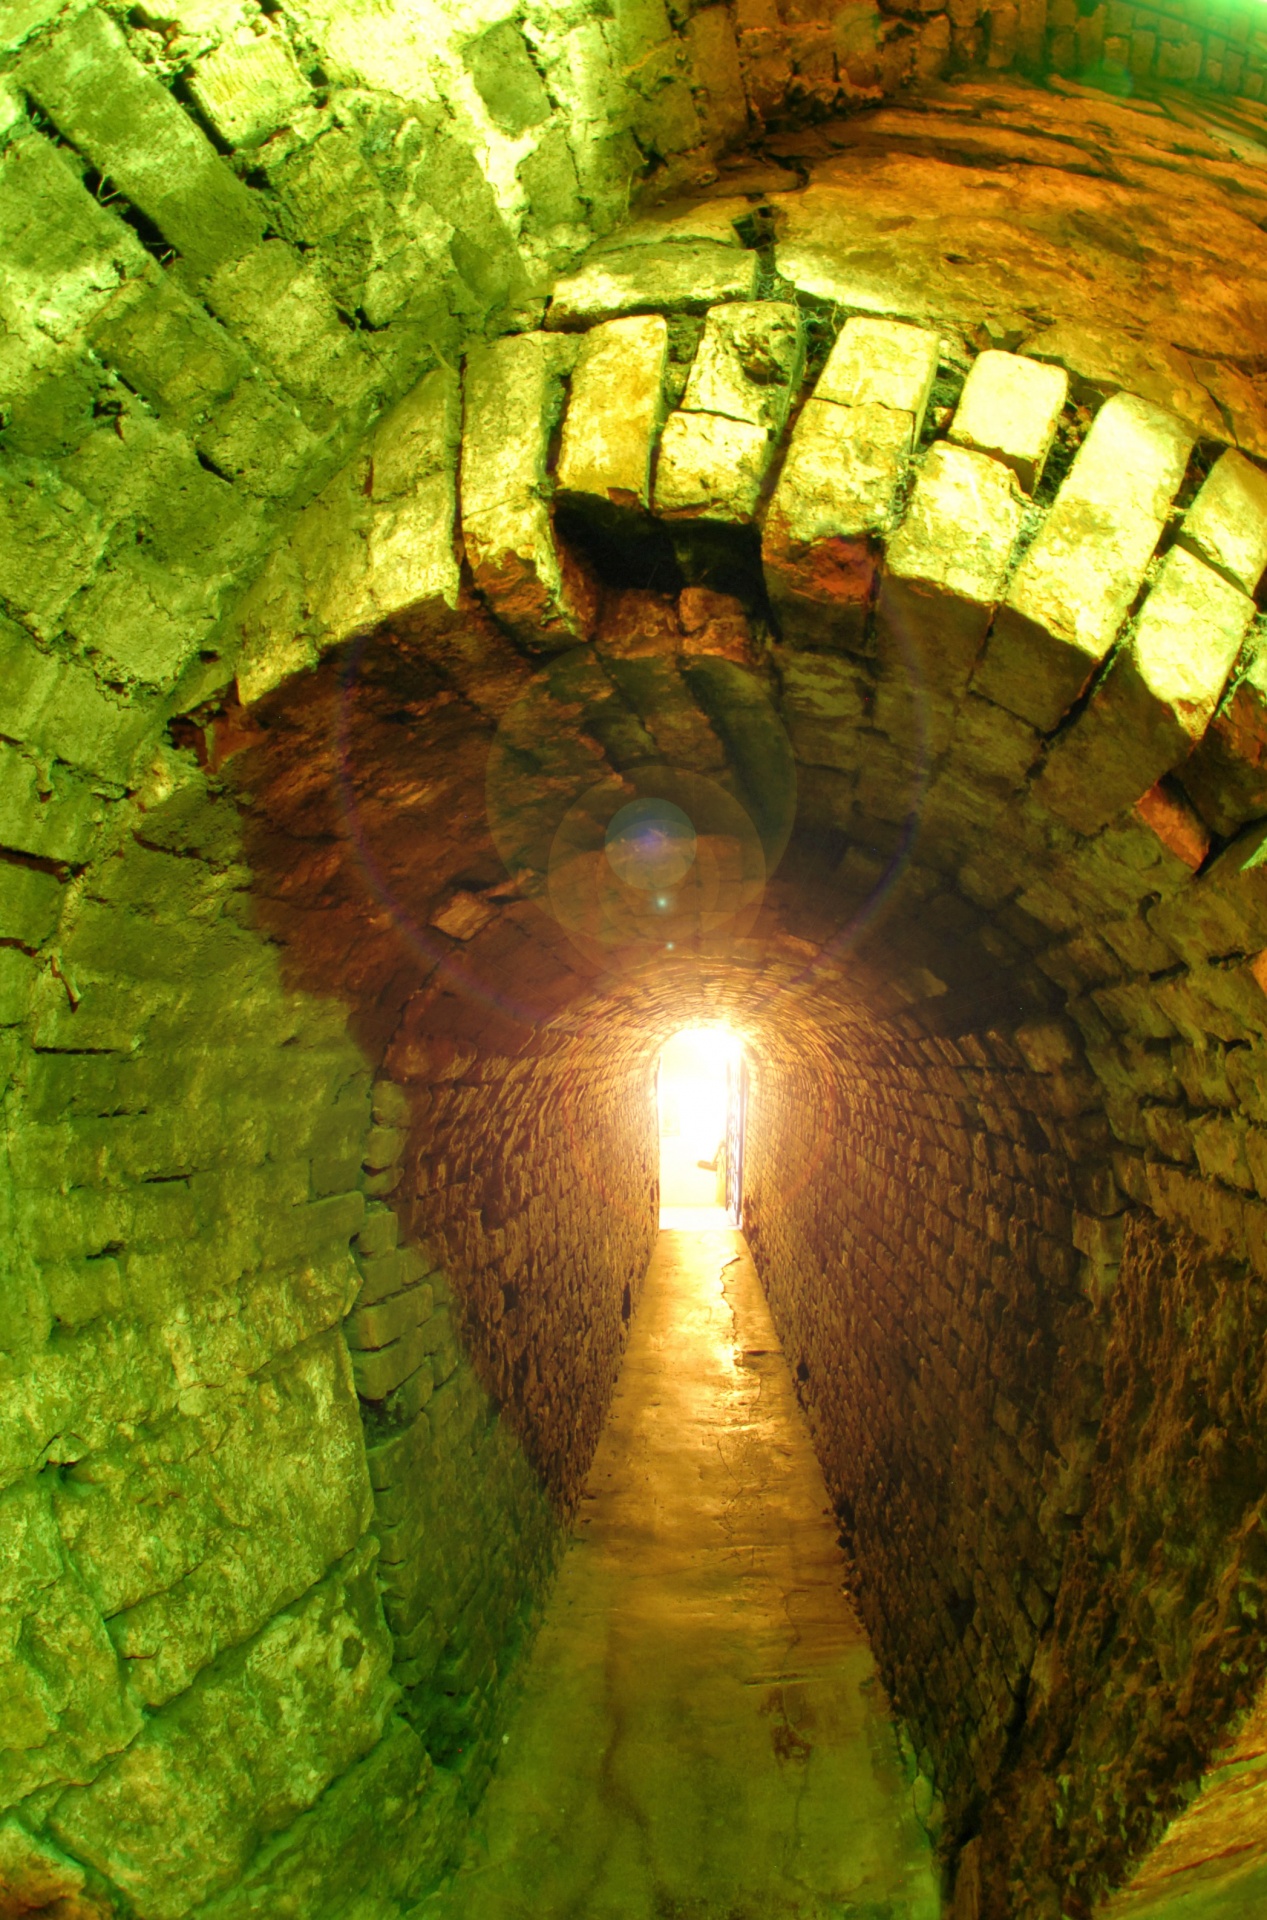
x: 331, y: 1131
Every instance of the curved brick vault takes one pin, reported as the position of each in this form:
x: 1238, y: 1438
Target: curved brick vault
x: 901, y: 485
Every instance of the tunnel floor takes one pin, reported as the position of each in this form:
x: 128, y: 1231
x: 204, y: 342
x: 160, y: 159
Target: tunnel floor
x: 702, y: 1730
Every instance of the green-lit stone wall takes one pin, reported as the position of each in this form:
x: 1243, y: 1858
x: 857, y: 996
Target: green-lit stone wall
x: 195, y: 1539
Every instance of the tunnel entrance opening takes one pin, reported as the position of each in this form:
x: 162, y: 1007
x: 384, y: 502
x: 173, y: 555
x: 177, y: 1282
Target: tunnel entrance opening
x: 701, y: 1095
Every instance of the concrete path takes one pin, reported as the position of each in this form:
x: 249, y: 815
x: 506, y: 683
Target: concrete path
x: 702, y: 1735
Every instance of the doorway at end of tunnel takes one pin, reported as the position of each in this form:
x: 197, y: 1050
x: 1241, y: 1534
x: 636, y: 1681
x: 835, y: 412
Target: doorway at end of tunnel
x: 701, y: 1090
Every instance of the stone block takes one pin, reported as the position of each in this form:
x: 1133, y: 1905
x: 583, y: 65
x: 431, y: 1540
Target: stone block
x: 380, y: 1371
x: 834, y: 496
x: 30, y: 903
x: 991, y: 749
x: 614, y: 413
x: 188, y: 1548
x: 824, y: 704
x: 135, y: 132
x: 675, y: 277
x: 1155, y: 699
x: 717, y: 450
x: 1151, y: 852
x: 17, y: 977
x: 710, y: 468
x: 54, y: 820
x: 375, y: 545
x: 881, y: 363
x: 60, y: 707
x: 513, y: 399
x: 1226, y: 525
x: 380, y: 1833
x: 944, y: 572
x: 748, y: 364
x: 1227, y: 775
x: 169, y: 348
x: 379, y: 1233
x: 1087, y: 564
x: 372, y: 1327
x: 1010, y: 408
x: 252, y: 1744
x: 506, y: 79
x: 1225, y: 910
x: 51, y: 543
x: 247, y: 89
x: 271, y: 298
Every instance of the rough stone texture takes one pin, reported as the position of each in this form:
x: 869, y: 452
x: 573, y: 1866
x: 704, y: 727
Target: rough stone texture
x: 944, y: 573
x: 1081, y: 574
x: 178, y: 1816
x: 1226, y: 525
x: 1227, y: 775
x: 614, y: 413
x: 248, y: 90
x: 1155, y: 700
x: 1010, y: 408
x: 678, y: 277
x: 187, y: 1148
x: 947, y: 1163
x: 835, y: 493
x: 717, y: 449
x: 513, y: 401
x: 881, y: 363
x: 748, y: 364
x: 376, y: 544
x: 710, y: 467
x: 1169, y: 1645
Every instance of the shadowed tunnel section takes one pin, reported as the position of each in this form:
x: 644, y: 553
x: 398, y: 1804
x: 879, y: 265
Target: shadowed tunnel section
x: 920, y: 1144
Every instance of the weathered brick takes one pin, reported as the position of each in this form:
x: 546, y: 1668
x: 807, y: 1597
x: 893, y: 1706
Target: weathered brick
x: 881, y: 363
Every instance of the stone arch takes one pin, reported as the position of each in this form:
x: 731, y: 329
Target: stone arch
x: 203, y: 1121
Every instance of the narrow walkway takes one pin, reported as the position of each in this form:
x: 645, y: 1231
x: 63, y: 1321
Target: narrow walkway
x: 702, y: 1734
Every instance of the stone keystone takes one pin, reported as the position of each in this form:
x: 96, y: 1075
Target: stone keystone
x: 717, y: 449
x: 1155, y: 700
x: 1010, y: 407
x: 1077, y: 582
x: 1226, y: 525
x: 614, y: 415
x: 513, y: 399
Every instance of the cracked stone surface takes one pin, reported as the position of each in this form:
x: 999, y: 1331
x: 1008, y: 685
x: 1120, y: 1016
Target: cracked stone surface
x: 702, y: 1730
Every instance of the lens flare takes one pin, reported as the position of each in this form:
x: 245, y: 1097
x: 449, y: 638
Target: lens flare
x: 651, y: 845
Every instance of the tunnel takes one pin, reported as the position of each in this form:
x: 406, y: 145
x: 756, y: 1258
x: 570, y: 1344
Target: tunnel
x: 526, y: 534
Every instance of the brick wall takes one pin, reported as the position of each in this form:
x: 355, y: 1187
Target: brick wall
x: 910, y: 1208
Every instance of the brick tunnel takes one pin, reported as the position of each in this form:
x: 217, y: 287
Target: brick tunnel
x: 844, y: 429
